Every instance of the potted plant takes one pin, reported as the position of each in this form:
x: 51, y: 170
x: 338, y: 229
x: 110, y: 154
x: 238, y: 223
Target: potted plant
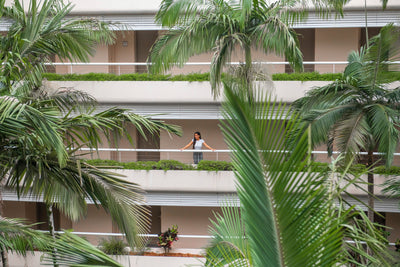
x: 165, y: 239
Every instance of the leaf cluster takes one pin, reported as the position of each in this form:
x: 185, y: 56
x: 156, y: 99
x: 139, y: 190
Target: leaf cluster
x: 71, y: 250
x: 113, y: 246
x: 287, y: 216
x: 197, y: 77
x: 40, y: 130
x: 358, y: 112
x: 204, y: 165
x: 222, y: 27
x: 192, y: 77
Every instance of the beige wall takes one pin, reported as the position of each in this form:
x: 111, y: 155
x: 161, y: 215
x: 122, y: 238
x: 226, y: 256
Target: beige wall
x: 332, y: 44
x: 144, y: 42
x: 17, y: 209
x: 100, y: 55
x: 257, y: 56
x: 392, y: 221
x: 96, y: 220
x: 335, y: 45
x: 190, y: 221
x: 123, y: 50
x: 210, y: 132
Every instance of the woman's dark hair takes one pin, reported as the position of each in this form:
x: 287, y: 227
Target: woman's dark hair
x: 194, y: 139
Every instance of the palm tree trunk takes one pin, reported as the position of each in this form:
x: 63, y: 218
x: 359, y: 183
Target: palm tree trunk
x: 309, y: 147
x: 371, y: 195
x: 366, y: 24
x: 248, y: 65
x: 3, y: 252
x: 50, y: 222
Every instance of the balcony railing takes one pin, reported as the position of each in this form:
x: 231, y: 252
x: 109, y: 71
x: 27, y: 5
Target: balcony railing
x: 209, y: 237
x: 132, y: 67
x: 122, y: 154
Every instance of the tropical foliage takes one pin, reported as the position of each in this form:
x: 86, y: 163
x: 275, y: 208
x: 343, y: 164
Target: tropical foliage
x: 113, y: 246
x: 219, y: 26
x: 166, y: 238
x: 287, y: 216
x: 193, y: 77
x: 71, y: 250
x: 42, y: 130
x: 358, y: 112
x: 226, y: 27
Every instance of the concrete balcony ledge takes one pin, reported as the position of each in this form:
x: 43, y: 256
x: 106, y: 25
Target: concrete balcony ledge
x: 182, y: 181
x: 34, y: 259
x: 168, y: 92
x: 207, y: 181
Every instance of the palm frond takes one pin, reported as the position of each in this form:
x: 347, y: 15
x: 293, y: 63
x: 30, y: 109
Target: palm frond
x: 72, y: 186
x: 18, y: 237
x: 44, y: 30
x: 274, y: 194
x: 72, y: 250
x: 383, y: 126
x: 177, y: 12
x: 87, y: 128
x: 229, y: 243
x: 288, y: 217
x: 19, y: 121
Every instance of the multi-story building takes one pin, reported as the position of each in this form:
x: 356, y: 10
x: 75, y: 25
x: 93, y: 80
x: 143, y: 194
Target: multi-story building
x: 189, y: 198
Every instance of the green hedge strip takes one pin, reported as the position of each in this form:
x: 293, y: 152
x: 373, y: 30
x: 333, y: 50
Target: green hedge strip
x: 194, y: 77
x: 209, y: 165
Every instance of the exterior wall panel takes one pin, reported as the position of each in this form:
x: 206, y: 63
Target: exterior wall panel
x: 335, y: 45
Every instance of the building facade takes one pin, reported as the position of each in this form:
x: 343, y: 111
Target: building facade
x: 190, y: 198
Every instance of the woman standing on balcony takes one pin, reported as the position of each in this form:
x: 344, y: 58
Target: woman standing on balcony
x: 197, y: 143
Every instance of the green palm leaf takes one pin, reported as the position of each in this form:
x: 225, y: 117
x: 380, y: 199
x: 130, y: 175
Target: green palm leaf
x: 76, y: 252
x: 288, y: 216
x: 229, y: 243
x: 276, y: 197
x: 72, y: 186
x: 20, y: 238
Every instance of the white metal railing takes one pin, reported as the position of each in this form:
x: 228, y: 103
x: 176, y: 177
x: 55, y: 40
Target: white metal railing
x: 167, y: 152
x: 118, y: 65
x: 155, y: 235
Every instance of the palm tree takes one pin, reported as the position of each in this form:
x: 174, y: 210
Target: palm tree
x: 384, y: 5
x: 40, y: 33
x: 357, y: 112
x: 39, y: 131
x: 197, y: 27
x: 287, y: 216
x: 71, y: 250
x: 215, y: 25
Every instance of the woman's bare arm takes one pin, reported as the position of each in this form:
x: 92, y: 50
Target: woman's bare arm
x: 207, y: 146
x: 188, y: 145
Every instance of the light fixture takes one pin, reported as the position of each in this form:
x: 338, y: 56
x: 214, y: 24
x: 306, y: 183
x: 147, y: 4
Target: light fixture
x: 124, y: 43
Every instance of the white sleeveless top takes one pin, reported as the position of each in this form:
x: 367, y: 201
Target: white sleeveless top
x: 199, y: 144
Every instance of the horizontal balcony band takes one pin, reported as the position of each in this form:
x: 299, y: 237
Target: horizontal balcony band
x: 214, y: 151
x: 197, y: 199
x: 141, y: 22
x: 180, y: 99
x: 199, y: 63
x: 195, y: 63
x: 155, y: 235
